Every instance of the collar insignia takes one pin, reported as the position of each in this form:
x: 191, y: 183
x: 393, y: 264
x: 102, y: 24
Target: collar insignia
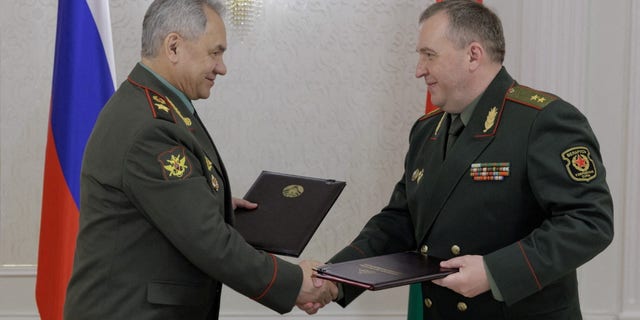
x: 491, y: 119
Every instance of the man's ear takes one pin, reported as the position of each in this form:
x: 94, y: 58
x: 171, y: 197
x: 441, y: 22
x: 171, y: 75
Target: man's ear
x: 171, y: 45
x: 475, y: 53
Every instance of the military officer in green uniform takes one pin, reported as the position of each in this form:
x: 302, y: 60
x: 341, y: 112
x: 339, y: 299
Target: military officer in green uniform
x: 503, y: 181
x: 155, y: 237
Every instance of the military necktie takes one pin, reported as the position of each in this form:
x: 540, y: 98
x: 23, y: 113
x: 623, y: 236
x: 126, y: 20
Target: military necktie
x: 455, y: 128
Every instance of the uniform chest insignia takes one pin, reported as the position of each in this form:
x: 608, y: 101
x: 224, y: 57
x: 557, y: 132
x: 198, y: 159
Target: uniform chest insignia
x: 187, y: 121
x: 417, y: 175
x: 489, y: 171
x: 491, y: 119
x: 175, y: 164
x: 579, y: 164
x: 214, y: 183
x: 209, y: 163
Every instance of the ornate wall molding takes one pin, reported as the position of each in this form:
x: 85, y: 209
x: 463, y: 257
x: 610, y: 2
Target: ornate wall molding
x: 18, y: 270
x: 18, y: 292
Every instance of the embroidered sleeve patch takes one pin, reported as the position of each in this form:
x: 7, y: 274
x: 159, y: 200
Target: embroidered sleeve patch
x: 175, y: 164
x: 579, y: 164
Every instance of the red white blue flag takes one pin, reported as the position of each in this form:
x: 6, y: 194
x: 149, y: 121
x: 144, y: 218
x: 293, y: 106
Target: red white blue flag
x: 83, y: 81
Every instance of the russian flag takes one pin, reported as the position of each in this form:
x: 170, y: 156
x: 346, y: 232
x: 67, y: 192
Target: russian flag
x: 83, y: 81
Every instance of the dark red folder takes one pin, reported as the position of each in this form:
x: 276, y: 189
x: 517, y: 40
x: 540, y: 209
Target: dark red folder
x: 383, y: 272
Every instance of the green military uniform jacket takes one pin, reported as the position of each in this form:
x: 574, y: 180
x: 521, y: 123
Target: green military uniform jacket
x: 155, y: 238
x: 524, y: 186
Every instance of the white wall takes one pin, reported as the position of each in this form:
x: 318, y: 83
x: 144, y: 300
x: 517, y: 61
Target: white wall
x: 326, y: 88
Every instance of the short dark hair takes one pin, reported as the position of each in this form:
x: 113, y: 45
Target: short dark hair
x: 471, y: 21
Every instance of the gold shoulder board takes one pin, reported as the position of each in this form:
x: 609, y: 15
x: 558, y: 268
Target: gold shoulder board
x: 160, y: 108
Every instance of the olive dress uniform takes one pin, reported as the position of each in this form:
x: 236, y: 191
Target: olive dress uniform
x: 523, y: 185
x: 155, y: 238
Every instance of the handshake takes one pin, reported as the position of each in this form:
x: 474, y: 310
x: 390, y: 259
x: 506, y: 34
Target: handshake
x: 315, y: 293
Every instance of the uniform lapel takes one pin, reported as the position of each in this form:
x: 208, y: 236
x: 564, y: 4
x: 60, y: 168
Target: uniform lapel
x: 212, y: 151
x: 476, y: 136
x: 201, y: 133
x: 431, y: 156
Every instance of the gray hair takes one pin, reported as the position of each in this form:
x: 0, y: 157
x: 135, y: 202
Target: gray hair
x: 471, y: 21
x: 185, y: 17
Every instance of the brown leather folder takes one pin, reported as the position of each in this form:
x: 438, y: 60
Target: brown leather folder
x: 387, y: 271
x: 290, y: 209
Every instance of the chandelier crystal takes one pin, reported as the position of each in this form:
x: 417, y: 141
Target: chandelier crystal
x: 242, y: 15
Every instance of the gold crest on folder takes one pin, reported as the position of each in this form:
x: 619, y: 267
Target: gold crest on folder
x: 292, y: 191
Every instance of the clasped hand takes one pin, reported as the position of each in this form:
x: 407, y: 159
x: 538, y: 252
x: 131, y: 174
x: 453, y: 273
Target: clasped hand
x: 315, y: 293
